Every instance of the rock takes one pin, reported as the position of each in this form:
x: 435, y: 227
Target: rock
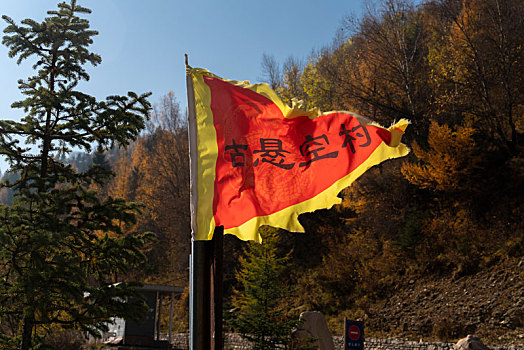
x: 470, y: 342
x: 314, y: 328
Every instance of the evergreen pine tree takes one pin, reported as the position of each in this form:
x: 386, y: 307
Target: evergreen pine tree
x: 262, y: 316
x: 99, y: 158
x: 61, y: 243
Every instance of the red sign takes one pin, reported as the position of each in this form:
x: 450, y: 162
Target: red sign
x: 354, y: 333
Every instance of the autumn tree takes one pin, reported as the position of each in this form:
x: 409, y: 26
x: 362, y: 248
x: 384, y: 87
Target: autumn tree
x: 291, y: 89
x: 61, y: 243
x: 467, y: 164
x: 442, y: 167
x: 477, y: 61
x: 156, y: 173
x: 271, y: 71
x: 163, y: 158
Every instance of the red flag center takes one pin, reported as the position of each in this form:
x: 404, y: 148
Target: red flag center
x: 267, y: 162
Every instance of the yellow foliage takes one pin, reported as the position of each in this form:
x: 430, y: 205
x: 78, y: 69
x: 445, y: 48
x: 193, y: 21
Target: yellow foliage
x: 156, y: 173
x: 448, y: 163
x: 122, y: 185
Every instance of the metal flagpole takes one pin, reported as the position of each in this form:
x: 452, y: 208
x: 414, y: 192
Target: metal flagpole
x: 205, y: 265
x: 198, y: 271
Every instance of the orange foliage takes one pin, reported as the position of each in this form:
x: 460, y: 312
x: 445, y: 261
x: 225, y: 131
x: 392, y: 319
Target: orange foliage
x: 449, y: 162
x: 156, y: 173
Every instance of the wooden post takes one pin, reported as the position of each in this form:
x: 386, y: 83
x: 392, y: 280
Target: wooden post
x: 171, y: 309
x: 159, y: 314
x: 345, y: 333
x: 217, y: 290
x: 206, y: 303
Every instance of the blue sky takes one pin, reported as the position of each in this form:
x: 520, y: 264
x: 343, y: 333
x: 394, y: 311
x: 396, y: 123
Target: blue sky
x: 142, y: 43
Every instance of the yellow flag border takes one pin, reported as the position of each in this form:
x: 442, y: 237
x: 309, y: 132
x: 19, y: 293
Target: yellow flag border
x: 286, y: 218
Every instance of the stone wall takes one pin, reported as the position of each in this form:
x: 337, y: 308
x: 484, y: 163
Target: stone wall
x: 235, y: 342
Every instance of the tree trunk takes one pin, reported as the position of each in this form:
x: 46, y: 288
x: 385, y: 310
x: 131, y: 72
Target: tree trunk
x: 27, y: 332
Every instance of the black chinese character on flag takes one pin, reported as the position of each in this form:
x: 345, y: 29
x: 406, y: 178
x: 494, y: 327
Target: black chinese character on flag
x: 238, y: 157
x: 311, y: 148
x: 349, y: 136
x: 271, y: 150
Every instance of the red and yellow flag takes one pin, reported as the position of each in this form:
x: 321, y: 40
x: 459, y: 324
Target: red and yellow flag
x: 257, y: 161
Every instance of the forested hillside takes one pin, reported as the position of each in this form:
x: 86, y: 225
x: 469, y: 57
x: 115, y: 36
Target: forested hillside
x: 452, y: 209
